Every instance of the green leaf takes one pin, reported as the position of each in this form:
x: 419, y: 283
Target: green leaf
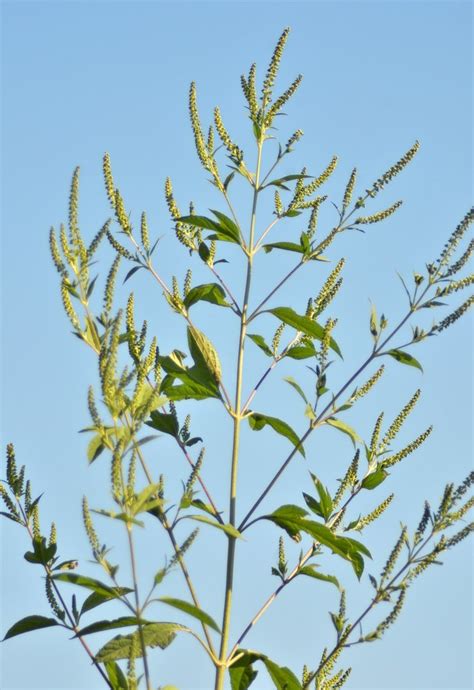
x: 203, y: 251
x: 227, y: 528
x: 204, y: 353
x: 288, y: 246
x: 29, y: 624
x: 191, y: 610
x: 97, y: 598
x: 208, y: 292
x: 95, y: 585
x: 167, y: 423
x: 345, y: 428
x: 95, y: 447
x: 297, y: 387
x: 260, y: 342
x: 310, y: 571
x: 302, y: 351
x: 116, y: 676
x: 282, y: 677
x: 100, y: 626
x: 228, y: 224
x: 190, y: 390
x: 279, y: 182
x: 257, y: 421
x: 324, y: 497
x: 404, y: 358
x: 200, y: 222
x: 373, y: 480
x: 303, y: 324
x: 154, y: 634
x: 206, y: 507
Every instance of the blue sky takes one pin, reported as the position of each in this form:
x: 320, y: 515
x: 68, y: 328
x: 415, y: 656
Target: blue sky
x: 81, y: 78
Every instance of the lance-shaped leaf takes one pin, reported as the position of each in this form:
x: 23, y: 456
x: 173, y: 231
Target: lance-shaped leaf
x: 220, y: 231
x: 242, y: 674
x: 297, y: 387
x: 302, y: 351
x: 282, y: 677
x: 288, y: 519
x: 310, y: 571
x: 116, y: 676
x: 259, y: 340
x: 191, y: 610
x: 103, y: 591
x: 404, y: 358
x: 29, y: 624
x: 287, y: 246
x: 227, y: 223
x: 208, y: 292
x: 154, y: 635
x: 303, y: 324
x: 229, y: 529
x: 257, y: 421
x: 101, y: 626
x: 345, y: 428
x: 374, y: 479
x: 98, y: 598
x: 203, y: 352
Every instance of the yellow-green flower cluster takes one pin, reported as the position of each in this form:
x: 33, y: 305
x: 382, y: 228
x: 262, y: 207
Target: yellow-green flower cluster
x: 73, y: 206
x: 55, y: 254
x: 393, y: 615
x: 250, y: 93
x: 376, y: 513
x: 89, y: 527
x: 183, y: 548
x: 456, y: 237
x: 232, y: 148
x: 318, y: 181
x: 455, y: 286
x: 92, y: 407
x: 329, y: 290
x: 394, y: 170
x: 108, y: 179
x: 402, y: 454
x: 118, y: 247
x: 145, y: 236
x: 349, y: 480
x: 392, y: 559
x: 55, y: 608
x: 328, y: 240
x: 196, y: 126
x: 281, y: 100
x: 377, y: 217
x: 278, y: 204
x: 349, y: 190
x: 368, y: 385
x: 121, y: 214
x: 397, y: 423
x: 94, y: 245
x: 277, y: 338
x: 455, y: 315
x: 313, y: 219
x: 110, y: 284
x: 272, y: 71
x: 67, y: 304
x: 376, y: 433
x: 293, y: 140
x: 326, y: 340
x: 116, y: 472
x: 460, y: 263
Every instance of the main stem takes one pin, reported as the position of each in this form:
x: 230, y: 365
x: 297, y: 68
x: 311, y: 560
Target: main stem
x: 137, y: 607
x: 222, y: 668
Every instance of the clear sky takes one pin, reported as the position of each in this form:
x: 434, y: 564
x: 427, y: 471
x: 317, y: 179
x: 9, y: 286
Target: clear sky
x: 81, y: 78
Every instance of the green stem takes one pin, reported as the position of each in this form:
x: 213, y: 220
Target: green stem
x: 138, y: 611
x: 221, y: 670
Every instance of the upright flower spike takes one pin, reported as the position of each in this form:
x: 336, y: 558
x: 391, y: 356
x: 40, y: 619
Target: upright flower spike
x: 232, y: 148
x: 349, y: 191
x: 73, y: 208
x: 394, y: 170
x: 396, y: 425
x: 455, y: 315
x: 201, y: 149
x: 324, y: 177
x: 272, y: 70
x: 108, y: 179
x: 55, y: 253
x: 110, y: 284
x: 89, y: 527
x: 380, y: 215
x: 94, y: 245
x: 67, y: 304
x: 402, y: 454
x: 144, y: 234
x: 282, y: 100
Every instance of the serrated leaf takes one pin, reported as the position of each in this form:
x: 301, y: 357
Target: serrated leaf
x: 162, y: 421
x: 191, y: 610
x: 208, y: 292
x: 154, y: 634
x: 257, y: 421
x: 345, y: 428
x: 404, y: 358
x: 99, y: 588
x: 303, y: 324
x: 260, y: 342
x: 29, y: 624
x: 310, y: 571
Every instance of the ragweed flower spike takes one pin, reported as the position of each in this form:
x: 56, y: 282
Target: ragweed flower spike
x: 396, y: 425
x: 456, y: 237
x: 55, y: 253
x: 108, y: 179
x: 325, y: 175
x: 67, y: 304
x: 284, y: 98
x: 349, y: 190
x: 363, y: 390
x: 232, y: 148
x: 460, y: 263
x: 73, y: 208
x: 145, y: 237
x: 402, y: 454
x: 201, y: 149
x: 110, y: 284
x: 394, y: 170
x: 452, y: 318
x: 273, y: 66
x: 377, y: 217
x: 376, y: 513
x: 293, y: 140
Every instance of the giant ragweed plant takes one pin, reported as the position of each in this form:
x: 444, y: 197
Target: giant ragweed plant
x: 152, y: 390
